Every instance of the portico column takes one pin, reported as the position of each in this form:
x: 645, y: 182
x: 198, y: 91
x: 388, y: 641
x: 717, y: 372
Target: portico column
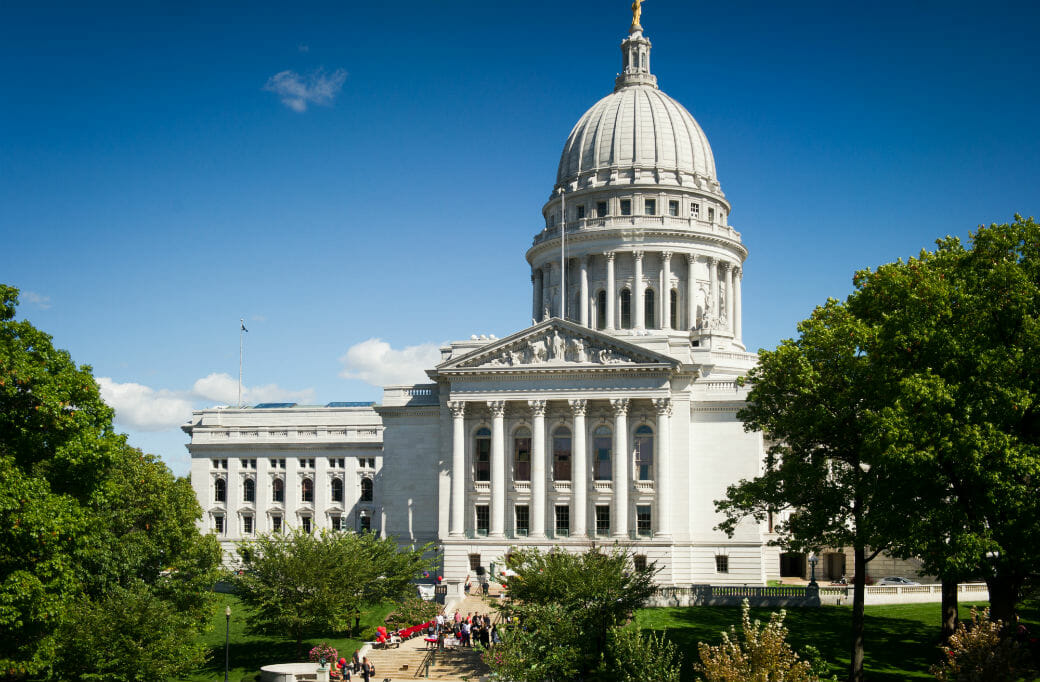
x: 666, y: 290
x: 727, y: 269
x: 583, y: 298
x: 639, y: 291
x: 713, y: 276
x: 737, y: 309
x: 611, y: 290
x: 580, y: 473
x: 457, y: 522
x: 621, y: 466
x: 663, y: 484
x: 691, y: 290
x: 498, y: 468
x: 537, y: 468
x: 536, y: 286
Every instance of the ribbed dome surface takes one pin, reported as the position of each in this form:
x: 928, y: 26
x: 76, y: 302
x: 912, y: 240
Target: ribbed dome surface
x: 636, y: 126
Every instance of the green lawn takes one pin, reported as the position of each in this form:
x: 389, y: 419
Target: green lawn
x: 249, y: 652
x: 900, y: 639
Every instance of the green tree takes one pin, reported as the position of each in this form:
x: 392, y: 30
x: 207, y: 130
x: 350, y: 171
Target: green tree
x: 566, y: 608
x: 310, y: 583
x: 815, y: 398
x: 88, y: 525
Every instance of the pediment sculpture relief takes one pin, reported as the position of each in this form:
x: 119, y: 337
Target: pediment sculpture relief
x: 551, y: 348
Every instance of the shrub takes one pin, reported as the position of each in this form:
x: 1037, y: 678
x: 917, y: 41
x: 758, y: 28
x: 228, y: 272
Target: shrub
x: 412, y: 612
x: 323, y: 652
x: 764, y: 654
x: 980, y: 651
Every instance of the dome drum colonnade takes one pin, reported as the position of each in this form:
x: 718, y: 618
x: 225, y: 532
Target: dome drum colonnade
x: 637, y: 170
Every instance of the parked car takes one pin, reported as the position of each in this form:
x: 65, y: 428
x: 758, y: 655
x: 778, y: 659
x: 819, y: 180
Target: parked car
x: 895, y: 580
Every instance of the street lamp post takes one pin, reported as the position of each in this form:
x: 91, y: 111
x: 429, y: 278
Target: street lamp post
x: 813, y: 559
x: 227, y: 641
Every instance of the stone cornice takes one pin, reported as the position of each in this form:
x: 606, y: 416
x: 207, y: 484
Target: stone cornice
x: 281, y: 445
x: 648, y: 235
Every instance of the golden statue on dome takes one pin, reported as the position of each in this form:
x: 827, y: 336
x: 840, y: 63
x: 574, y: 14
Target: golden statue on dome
x: 637, y: 12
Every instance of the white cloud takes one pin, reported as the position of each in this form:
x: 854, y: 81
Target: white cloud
x: 376, y: 363
x: 143, y: 408
x: 298, y: 91
x: 39, y: 300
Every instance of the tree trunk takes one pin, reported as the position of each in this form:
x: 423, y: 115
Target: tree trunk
x: 1003, y: 598
x: 858, y: 583
x: 949, y: 608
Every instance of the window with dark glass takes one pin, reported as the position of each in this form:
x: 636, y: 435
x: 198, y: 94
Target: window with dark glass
x: 336, y: 521
x: 626, y: 207
x: 601, y: 310
x: 366, y: 490
x: 249, y: 490
x: 563, y: 520
x: 711, y: 215
x: 601, y: 209
x: 721, y: 563
x: 602, y: 445
x: 482, y: 455
x: 220, y: 490
x: 337, y: 490
x: 626, y: 309
x: 278, y: 490
x: 581, y: 211
x: 276, y: 523
x: 650, y: 206
x: 247, y: 524
x: 673, y: 208
x: 562, y: 454
x: 602, y: 519
x: 364, y: 523
x: 306, y: 521
x: 522, y: 455
x: 523, y: 519
x: 306, y: 490
x: 474, y: 562
x: 644, y: 447
x: 218, y: 524
x: 639, y: 562
x: 483, y: 519
x: 674, y: 312
x: 649, y: 308
x: 643, y: 519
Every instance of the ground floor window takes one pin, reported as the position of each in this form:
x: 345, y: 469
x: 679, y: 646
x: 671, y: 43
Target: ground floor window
x: 336, y: 521
x: 305, y: 521
x: 721, y: 563
x: 563, y: 520
x: 523, y: 519
x: 364, y: 522
x: 247, y: 524
x: 483, y: 519
x: 643, y: 525
x: 639, y: 562
x: 276, y: 523
x: 474, y: 562
x: 218, y: 524
x: 602, y: 519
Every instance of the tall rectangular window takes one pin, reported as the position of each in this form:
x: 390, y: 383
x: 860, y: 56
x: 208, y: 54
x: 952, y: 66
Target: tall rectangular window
x: 218, y: 524
x: 483, y: 519
x: 650, y: 206
x: 626, y: 207
x: 276, y: 523
x: 602, y: 519
x: 247, y: 524
x: 673, y: 208
x: 474, y: 562
x: 695, y: 210
x: 523, y: 519
x: 711, y: 215
x: 643, y: 526
x: 337, y: 522
x: 721, y: 563
x: 639, y: 562
x: 306, y: 521
x: 563, y: 520
x: 581, y: 211
x: 601, y: 209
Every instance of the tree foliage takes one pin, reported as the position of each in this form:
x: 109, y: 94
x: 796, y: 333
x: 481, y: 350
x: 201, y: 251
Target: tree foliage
x: 89, y: 526
x: 304, y: 583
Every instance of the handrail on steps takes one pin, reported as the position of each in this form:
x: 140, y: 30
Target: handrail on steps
x: 423, y: 669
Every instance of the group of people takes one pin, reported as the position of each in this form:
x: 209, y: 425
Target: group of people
x: 473, y: 628
x: 357, y: 668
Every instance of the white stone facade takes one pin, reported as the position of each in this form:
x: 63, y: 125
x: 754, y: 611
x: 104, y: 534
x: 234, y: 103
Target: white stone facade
x: 611, y: 419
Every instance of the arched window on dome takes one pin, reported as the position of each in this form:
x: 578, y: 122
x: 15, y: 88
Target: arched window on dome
x: 626, y: 309
x: 482, y: 455
x: 307, y: 490
x: 561, y: 443
x: 522, y: 455
x: 601, y: 309
x: 649, y: 309
x: 602, y: 446
x: 249, y: 490
x: 644, y: 451
x: 674, y: 322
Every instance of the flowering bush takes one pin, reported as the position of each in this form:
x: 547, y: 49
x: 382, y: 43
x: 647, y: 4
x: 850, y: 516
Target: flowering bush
x: 323, y: 653
x: 764, y: 654
x: 980, y: 652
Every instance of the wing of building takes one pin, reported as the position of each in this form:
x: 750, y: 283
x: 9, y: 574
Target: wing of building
x: 611, y: 419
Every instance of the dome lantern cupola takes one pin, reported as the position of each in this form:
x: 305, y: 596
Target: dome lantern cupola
x: 635, y: 60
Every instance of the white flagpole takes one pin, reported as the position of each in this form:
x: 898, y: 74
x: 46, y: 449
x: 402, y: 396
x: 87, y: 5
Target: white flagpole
x: 241, y: 334
x: 563, y: 255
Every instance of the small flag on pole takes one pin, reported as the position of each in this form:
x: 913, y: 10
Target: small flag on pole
x: 243, y: 325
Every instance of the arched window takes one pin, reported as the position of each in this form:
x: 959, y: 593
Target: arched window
x: 366, y: 490
x: 307, y: 490
x: 674, y: 322
x: 644, y: 449
x: 278, y: 490
x: 601, y: 310
x: 522, y: 455
x: 249, y: 490
x: 626, y: 309
x: 602, y: 446
x: 482, y: 455
x: 649, y: 309
x: 337, y: 490
x: 561, y: 442
x: 220, y: 490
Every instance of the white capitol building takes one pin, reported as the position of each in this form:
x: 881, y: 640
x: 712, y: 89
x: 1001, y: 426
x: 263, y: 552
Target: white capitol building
x: 611, y: 419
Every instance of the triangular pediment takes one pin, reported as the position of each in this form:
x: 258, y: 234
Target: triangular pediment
x: 557, y: 344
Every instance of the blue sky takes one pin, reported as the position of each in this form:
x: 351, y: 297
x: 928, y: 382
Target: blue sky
x: 337, y: 174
